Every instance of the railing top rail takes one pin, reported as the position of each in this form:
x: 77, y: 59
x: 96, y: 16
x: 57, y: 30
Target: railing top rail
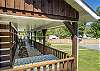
x: 14, y: 27
x: 52, y: 48
x: 43, y: 63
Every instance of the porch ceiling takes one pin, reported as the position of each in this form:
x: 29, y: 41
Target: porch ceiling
x: 26, y: 23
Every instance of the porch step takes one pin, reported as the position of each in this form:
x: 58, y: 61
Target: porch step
x: 23, y: 61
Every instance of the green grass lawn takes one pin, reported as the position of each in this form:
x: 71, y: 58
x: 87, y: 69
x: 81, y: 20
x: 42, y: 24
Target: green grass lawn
x: 88, y: 59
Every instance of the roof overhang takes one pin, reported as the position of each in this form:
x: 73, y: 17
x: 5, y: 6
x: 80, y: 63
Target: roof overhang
x: 86, y: 14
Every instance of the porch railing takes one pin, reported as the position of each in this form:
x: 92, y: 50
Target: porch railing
x: 49, y: 50
x: 52, y: 65
x: 14, y: 40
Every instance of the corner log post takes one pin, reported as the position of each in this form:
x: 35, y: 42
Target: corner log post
x: 72, y: 27
x: 44, y: 33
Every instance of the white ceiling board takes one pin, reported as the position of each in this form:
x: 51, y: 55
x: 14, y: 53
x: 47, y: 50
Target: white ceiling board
x: 29, y: 23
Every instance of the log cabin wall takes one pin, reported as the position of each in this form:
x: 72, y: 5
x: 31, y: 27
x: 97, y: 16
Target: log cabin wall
x: 54, y: 9
x: 8, y: 43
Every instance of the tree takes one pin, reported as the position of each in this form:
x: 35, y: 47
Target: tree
x: 60, y: 31
x: 95, y: 29
x: 81, y: 29
x: 98, y: 10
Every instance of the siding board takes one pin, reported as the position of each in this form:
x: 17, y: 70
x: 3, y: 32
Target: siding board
x: 50, y: 5
x: 21, y: 4
x: 2, y: 3
x: 17, y: 4
x: 44, y: 6
x: 10, y: 3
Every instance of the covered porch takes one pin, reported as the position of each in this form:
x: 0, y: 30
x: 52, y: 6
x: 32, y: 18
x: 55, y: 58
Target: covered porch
x: 36, y: 52
x: 39, y: 57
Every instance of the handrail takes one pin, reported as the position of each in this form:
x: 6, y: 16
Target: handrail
x: 13, y: 35
x: 44, y: 63
x: 13, y: 27
x: 49, y: 50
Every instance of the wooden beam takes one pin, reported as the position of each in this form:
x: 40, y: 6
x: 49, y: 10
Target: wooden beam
x: 73, y: 29
x: 70, y: 27
x: 44, y: 32
x: 74, y: 46
x: 74, y: 52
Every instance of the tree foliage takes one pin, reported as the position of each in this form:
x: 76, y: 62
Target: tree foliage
x: 98, y: 10
x: 81, y: 29
x: 61, y: 32
x: 95, y: 29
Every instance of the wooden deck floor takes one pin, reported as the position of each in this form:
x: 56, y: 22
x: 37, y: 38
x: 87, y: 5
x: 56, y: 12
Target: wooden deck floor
x: 33, y: 55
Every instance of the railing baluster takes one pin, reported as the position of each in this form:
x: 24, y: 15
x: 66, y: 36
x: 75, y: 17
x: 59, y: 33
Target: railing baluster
x: 65, y: 65
x: 53, y: 67
x: 35, y: 69
x: 44, y: 68
x: 38, y: 69
x: 50, y: 67
x: 64, y: 55
x: 41, y: 68
x: 60, y: 55
x: 47, y: 67
x: 61, y: 66
x: 58, y: 66
x: 56, y: 53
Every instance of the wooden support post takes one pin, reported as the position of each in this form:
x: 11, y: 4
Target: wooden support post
x: 74, y: 52
x: 34, y: 38
x: 10, y: 45
x: 44, y: 32
x: 73, y: 29
x: 74, y: 46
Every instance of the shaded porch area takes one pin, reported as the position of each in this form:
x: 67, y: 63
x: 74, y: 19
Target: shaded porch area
x: 31, y: 16
x: 27, y: 52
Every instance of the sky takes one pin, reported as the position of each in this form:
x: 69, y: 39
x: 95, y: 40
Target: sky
x: 93, y: 3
